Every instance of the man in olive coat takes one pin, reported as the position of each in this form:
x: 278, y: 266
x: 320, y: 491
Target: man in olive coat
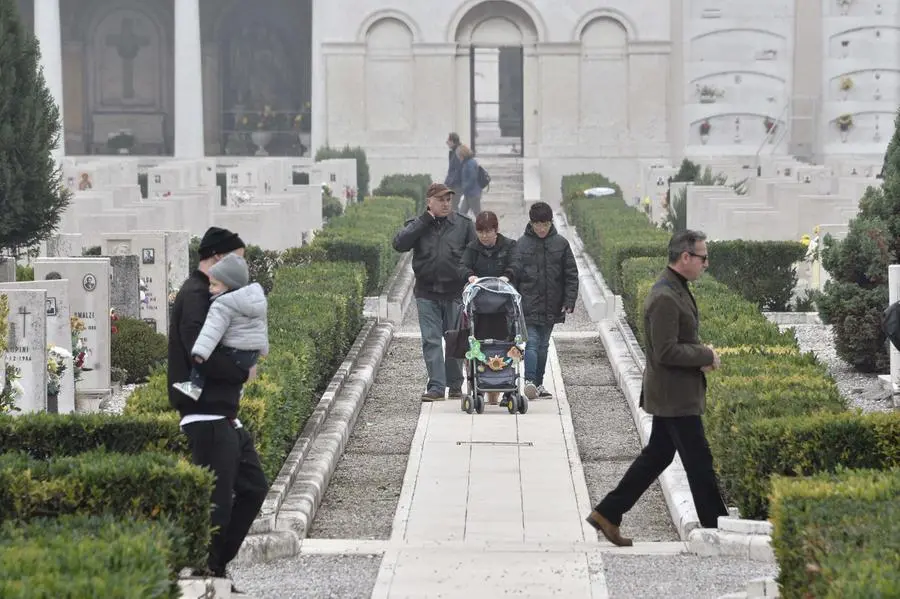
x: 674, y: 393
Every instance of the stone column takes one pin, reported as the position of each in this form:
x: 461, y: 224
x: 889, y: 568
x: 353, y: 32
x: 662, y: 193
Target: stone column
x: 319, y: 116
x: 188, y: 81
x: 48, y: 32
x: 894, y: 297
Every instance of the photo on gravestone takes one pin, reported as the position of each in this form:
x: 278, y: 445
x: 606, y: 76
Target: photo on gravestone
x: 148, y: 256
x: 51, y: 306
x: 89, y: 282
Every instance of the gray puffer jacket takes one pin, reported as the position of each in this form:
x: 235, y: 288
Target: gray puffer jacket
x: 236, y: 319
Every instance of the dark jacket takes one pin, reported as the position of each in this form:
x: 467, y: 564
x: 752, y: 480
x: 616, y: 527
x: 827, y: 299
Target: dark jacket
x: 222, y: 388
x: 469, y: 184
x: 454, y: 176
x: 437, y: 245
x: 674, y: 385
x: 546, y: 275
x: 483, y: 261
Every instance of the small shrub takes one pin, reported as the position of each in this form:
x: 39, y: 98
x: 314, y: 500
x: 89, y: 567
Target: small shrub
x: 414, y: 187
x: 94, y: 250
x: 761, y: 271
x: 137, y: 348
x: 87, y: 556
x: 144, y: 486
x: 331, y: 206
x: 837, y: 535
x: 24, y: 273
x: 262, y: 265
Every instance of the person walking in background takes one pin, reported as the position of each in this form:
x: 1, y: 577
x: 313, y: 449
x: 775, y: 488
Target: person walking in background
x: 544, y: 270
x: 471, y: 187
x: 489, y: 256
x: 437, y: 239
x: 674, y: 393
x: 216, y: 437
x: 453, y: 180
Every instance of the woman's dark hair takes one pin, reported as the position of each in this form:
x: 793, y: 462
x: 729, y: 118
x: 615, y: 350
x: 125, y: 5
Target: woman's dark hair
x: 486, y: 221
x: 454, y: 137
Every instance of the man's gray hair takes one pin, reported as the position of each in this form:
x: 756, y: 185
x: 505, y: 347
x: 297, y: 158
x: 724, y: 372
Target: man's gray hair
x: 684, y: 241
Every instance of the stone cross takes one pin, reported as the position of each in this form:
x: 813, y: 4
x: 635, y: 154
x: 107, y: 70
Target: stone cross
x: 129, y: 45
x: 25, y: 313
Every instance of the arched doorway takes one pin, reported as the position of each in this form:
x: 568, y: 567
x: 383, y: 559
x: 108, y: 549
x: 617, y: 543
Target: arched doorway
x: 265, y: 60
x: 495, y: 35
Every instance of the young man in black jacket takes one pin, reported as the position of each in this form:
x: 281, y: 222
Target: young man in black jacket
x: 216, y: 437
x: 437, y: 238
x: 546, y: 275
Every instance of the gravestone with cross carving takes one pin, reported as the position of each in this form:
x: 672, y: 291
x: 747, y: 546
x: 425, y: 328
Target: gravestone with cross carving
x: 27, y: 349
x: 59, y: 331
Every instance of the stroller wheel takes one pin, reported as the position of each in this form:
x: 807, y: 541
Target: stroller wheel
x: 464, y: 403
x: 512, y: 403
x: 479, y: 403
x: 523, y: 404
x: 468, y: 404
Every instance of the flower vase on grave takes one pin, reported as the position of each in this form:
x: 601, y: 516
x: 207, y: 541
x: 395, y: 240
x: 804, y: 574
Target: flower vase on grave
x: 261, y: 139
x: 845, y: 132
x: 704, y: 138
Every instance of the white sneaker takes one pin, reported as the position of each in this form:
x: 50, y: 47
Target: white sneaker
x: 189, y: 389
x: 543, y: 393
x: 531, y: 391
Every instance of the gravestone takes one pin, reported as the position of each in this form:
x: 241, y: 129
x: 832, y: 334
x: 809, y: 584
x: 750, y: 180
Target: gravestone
x: 150, y: 248
x: 7, y: 270
x: 88, y: 282
x: 59, y: 332
x: 124, y: 288
x: 27, y: 345
x: 62, y: 245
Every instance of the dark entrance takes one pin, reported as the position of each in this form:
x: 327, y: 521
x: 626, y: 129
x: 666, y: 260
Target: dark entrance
x: 496, y: 114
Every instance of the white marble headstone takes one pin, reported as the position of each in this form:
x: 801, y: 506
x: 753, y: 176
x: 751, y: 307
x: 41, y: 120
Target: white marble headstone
x: 59, y: 331
x: 88, y: 280
x: 27, y: 345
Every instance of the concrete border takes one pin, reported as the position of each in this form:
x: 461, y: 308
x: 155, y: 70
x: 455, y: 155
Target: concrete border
x: 298, y: 489
x: 735, y: 537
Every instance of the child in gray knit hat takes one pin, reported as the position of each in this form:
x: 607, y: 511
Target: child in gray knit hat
x: 237, y: 320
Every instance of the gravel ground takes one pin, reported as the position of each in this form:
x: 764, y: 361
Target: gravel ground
x: 679, y: 576
x: 864, y: 391
x: 606, y: 435
x: 310, y: 577
x: 362, y: 497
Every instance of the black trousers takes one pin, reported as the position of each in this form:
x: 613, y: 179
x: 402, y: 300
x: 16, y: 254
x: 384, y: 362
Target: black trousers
x: 685, y: 435
x: 240, y: 485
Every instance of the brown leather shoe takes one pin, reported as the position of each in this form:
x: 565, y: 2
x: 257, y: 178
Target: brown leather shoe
x: 609, y: 530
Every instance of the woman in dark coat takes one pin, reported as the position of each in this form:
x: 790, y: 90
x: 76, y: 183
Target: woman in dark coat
x: 488, y: 256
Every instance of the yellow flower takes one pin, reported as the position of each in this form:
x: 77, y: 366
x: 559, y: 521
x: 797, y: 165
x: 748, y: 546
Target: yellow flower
x: 805, y: 240
x: 816, y: 230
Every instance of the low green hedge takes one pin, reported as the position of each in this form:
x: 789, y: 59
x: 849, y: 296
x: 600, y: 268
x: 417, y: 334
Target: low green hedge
x: 414, y: 187
x: 78, y: 556
x: 137, y: 348
x: 364, y: 233
x: 44, y: 436
x: 761, y: 271
x: 145, y: 486
x: 837, y: 536
x: 801, y: 446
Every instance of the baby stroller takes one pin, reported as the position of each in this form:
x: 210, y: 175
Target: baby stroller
x: 493, y: 363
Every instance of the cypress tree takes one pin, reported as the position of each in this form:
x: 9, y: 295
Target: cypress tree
x: 32, y: 197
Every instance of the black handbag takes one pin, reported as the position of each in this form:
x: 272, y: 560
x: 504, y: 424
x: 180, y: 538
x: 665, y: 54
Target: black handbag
x: 456, y: 342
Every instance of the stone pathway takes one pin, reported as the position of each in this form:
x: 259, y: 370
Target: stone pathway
x: 428, y: 501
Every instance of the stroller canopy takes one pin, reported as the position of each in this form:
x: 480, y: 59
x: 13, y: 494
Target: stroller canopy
x: 491, y: 295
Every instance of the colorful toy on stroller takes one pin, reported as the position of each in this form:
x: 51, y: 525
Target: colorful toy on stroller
x: 497, y: 335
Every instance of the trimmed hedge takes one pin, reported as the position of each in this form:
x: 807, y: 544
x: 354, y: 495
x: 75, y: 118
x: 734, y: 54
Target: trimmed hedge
x: 770, y: 409
x: 838, y: 536
x: 137, y: 349
x: 414, y: 187
x: 145, y: 486
x: 78, y: 556
x: 44, y: 436
x: 761, y: 271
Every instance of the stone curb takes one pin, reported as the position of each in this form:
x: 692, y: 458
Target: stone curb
x: 735, y: 537
x: 297, y: 491
x: 599, y: 301
x: 392, y: 305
